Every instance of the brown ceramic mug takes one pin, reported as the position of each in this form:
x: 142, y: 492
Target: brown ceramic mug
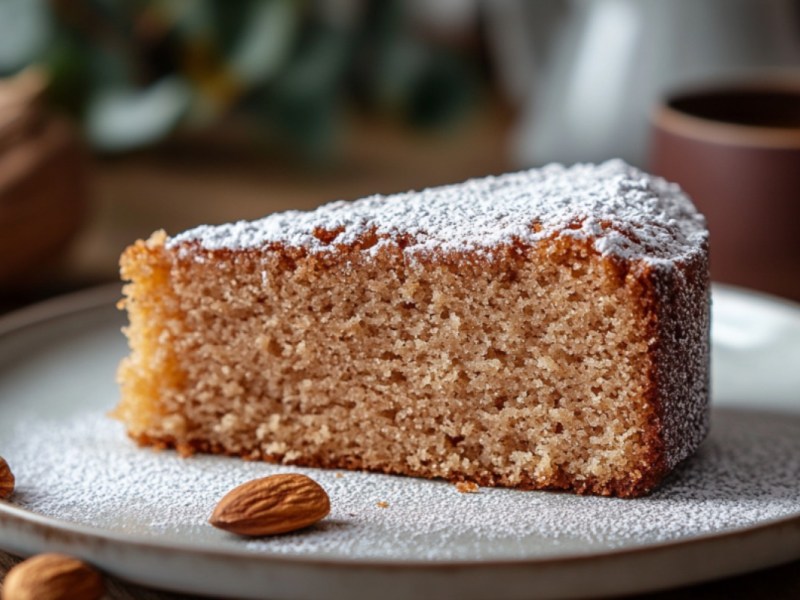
x: 735, y: 149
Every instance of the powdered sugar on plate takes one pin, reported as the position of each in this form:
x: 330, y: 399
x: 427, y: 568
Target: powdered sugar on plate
x: 83, y: 470
x: 624, y: 211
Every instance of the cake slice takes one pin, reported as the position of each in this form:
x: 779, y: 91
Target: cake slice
x: 547, y: 329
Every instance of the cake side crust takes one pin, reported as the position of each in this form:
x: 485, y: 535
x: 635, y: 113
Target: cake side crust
x: 152, y: 366
x: 681, y: 299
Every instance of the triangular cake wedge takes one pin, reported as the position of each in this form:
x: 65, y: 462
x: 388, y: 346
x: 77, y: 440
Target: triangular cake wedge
x: 547, y: 329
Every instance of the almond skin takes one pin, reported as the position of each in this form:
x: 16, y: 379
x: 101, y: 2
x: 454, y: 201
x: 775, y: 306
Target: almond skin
x: 6, y: 480
x: 53, y: 577
x: 272, y: 505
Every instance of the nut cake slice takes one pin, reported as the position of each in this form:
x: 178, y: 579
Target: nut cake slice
x: 541, y: 329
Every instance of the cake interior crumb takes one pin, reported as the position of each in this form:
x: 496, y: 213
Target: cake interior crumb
x: 526, y: 371
x: 467, y: 487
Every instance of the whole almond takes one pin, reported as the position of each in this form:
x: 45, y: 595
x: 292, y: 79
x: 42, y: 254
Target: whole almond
x: 274, y: 504
x: 6, y: 480
x: 53, y: 577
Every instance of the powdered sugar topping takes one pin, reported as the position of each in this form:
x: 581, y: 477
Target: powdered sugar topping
x: 624, y: 211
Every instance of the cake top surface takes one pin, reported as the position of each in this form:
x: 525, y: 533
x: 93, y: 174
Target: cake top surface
x: 622, y: 210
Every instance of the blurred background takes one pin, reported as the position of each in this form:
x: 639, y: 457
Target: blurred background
x: 121, y: 117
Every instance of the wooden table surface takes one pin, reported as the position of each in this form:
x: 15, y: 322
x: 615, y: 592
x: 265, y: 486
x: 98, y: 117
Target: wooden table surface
x: 188, y: 182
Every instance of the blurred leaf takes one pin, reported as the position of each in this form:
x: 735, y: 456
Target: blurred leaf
x: 396, y: 71
x: 265, y: 42
x: 110, y: 68
x: 215, y: 87
x: 383, y: 21
x: 123, y: 119
x: 70, y: 76
x: 136, y: 69
x: 319, y: 64
x: 228, y: 19
x: 308, y: 124
x: 191, y: 17
x: 24, y: 30
x: 302, y: 105
x: 114, y: 14
x: 443, y: 89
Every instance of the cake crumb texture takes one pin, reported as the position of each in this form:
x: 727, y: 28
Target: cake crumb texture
x: 467, y: 487
x: 533, y: 362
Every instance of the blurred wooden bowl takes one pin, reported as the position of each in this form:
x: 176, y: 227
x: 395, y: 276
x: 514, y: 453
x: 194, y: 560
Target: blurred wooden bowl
x: 43, y: 183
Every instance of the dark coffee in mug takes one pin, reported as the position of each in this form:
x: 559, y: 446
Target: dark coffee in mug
x: 751, y: 107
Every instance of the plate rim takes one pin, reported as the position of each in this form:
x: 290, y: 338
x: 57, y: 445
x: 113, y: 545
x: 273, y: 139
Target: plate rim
x: 22, y: 515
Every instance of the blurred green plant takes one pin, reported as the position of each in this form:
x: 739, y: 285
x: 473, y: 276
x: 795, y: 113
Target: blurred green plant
x: 134, y: 71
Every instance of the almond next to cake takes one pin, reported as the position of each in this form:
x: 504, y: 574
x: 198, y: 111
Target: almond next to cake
x: 547, y: 329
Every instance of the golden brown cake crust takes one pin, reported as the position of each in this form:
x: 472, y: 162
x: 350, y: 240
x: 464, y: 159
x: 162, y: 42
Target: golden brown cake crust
x: 540, y: 364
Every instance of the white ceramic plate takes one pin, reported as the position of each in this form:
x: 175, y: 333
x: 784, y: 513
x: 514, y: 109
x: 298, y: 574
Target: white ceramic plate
x: 84, y: 489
